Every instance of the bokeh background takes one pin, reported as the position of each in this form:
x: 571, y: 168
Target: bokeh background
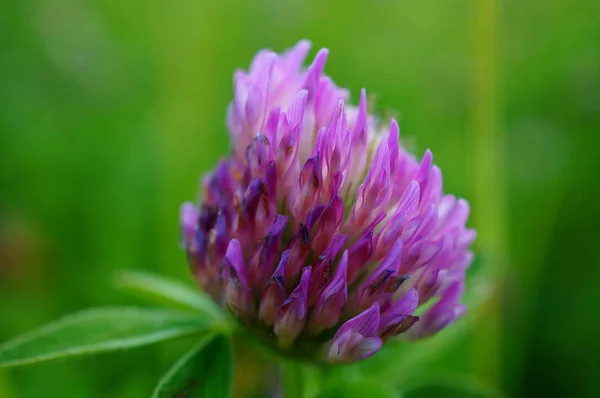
x: 110, y: 110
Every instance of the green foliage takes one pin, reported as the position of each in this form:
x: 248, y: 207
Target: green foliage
x: 359, y: 389
x: 448, y: 384
x: 99, y: 330
x: 203, y: 372
x: 299, y: 381
x: 169, y: 290
x: 109, y: 111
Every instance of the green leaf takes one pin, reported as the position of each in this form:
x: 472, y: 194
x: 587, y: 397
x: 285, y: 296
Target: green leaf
x: 358, y: 389
x: 292, y: 380
x: 449, y: 384
x: 170, y: 290
x: 99, y: 330
x: 299, y: 380
x: 204, y: 371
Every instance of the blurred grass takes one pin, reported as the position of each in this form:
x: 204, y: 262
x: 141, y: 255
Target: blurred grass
x: 489, y: 186
x: 109, y: 112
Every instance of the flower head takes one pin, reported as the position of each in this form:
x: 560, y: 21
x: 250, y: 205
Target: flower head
x: 319, y: 232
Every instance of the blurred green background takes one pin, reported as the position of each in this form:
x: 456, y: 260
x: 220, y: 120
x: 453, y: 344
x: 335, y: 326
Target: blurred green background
x: 110, y: 110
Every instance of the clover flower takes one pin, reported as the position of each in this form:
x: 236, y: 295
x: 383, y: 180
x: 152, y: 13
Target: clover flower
x: 319, y: 232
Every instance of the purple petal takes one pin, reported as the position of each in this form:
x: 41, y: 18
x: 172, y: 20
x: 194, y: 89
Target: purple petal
x: 401, y: 223
x: 358, y: 153
x: 291, y: 316
x: 375, y: 287
x: 430, y: 282
x: 373, y: 194
x: 295, y: 57
x: 189, y: 224
x: 221, y: 237
x: 237, y: 294
x: 394, y: 316
x: 356, y: 339
x: 270, y: 126
x: 366, y: 323
x: 299, y: 247
x: 259, y: 154
x: 433, y: 189
x: 328, y: 309
x: 287, y: 157
x: 366, y: 348
x: 295, y: 112
x: 394, y: 144
x: 359, y: 253
x: 315, y: 71
x: 309, y: 182
x: 254, y: 105
x: 420, y: 254
x: 261, y: 265
x: 274, y: 293
x: 251, y: 201
x: 321, y: 275
x: 359, y: 131
x: 423, y: 173
x: 410, y: 201
x: 329, y: 224
x: 442, y: 313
